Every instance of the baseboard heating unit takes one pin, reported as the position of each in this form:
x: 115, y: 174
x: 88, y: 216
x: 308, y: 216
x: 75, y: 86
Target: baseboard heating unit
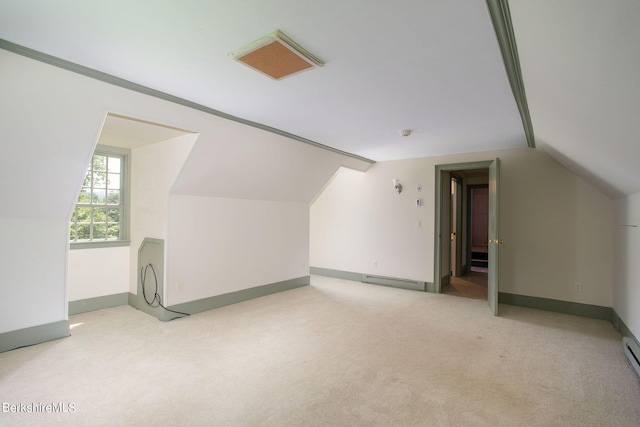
x: 395, y: 283
x: 632, y: 351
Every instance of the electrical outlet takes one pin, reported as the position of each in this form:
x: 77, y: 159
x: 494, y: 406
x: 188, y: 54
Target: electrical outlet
x: 418, y: 224
x: 178, y: 286
x: 578, y: 286
x: 375, y: 264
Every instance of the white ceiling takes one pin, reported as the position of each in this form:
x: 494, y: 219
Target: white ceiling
x: 581, y: 69
x: 433, y: 66
x: 125, y: 132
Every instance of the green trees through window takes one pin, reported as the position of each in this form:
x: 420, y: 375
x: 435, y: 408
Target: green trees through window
x: 99, y: 212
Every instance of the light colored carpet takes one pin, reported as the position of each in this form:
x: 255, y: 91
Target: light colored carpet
x: 336, y: 353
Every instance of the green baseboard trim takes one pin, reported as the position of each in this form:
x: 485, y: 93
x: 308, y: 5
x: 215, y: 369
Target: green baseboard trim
x: 394, y: 282
x: 205, y: 304
x: 33, y: 335
x: 336, y: 274
x: 132, y: 300
x: 622, y: 328
x: 567, y: 307
x: 97, y: 303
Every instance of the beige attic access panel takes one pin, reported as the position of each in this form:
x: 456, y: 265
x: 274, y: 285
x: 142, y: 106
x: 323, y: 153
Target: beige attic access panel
x: 277, y: 56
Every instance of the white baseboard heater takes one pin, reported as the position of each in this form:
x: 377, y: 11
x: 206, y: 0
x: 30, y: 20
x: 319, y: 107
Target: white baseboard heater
x: 394, y: 282
x: 632, y: 351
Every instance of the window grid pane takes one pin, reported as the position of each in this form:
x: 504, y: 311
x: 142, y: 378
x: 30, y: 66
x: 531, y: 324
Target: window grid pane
x: 99, y: 179
x: 114, y: 165
x: 99, y: 210
x: 99, y: 162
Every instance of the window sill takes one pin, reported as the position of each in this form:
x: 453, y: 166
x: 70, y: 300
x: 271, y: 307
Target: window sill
x: 101, y: 244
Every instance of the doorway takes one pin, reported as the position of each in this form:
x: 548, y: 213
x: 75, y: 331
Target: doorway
x: 469, y: 249
x: 466, y: 263
x: 478, y: 226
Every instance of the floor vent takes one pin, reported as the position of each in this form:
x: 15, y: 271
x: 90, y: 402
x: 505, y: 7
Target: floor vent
x: 632, y: 351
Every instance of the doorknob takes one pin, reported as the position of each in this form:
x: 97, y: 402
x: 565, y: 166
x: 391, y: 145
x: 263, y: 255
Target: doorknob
x: 496, y: 241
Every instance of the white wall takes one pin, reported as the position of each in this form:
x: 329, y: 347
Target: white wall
x: 33, y: 265
x: 50, y: 123
x: 154, y: 167
x: 45, y: 148
x: 98, y: 272
x: 556, y: 227
x: 153, y: 171
x: 627, y: 261
x: 360, y: 224
x: 261, y: 166
x: 219, y: 245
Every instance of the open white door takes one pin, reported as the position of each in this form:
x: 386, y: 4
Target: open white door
x: 494, y: 239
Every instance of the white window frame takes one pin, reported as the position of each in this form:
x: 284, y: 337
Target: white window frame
x: 125, y: 170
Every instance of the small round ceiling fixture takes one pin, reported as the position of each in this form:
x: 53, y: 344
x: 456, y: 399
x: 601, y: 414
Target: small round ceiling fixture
x: 405, y: 132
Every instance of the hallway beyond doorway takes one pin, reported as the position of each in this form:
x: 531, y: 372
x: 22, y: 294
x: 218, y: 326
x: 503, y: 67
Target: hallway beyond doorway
x: 471, y: 285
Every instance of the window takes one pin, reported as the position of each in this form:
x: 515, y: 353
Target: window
x: 101, y: 215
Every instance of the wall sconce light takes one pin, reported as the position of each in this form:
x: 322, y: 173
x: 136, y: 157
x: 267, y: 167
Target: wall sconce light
x: 397, y: 185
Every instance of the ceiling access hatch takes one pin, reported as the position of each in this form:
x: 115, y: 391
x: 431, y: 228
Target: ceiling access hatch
x: 277, y: 56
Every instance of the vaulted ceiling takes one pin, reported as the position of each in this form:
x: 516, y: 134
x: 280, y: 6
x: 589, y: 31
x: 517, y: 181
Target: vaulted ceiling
x: 581, y: 68
x: 432, y: 66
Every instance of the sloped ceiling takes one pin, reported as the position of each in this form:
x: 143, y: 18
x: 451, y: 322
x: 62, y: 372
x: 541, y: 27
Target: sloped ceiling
x: 427, y: 65
x: 119, y: 131
x: 432, y: 66
x: 580, y: 63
